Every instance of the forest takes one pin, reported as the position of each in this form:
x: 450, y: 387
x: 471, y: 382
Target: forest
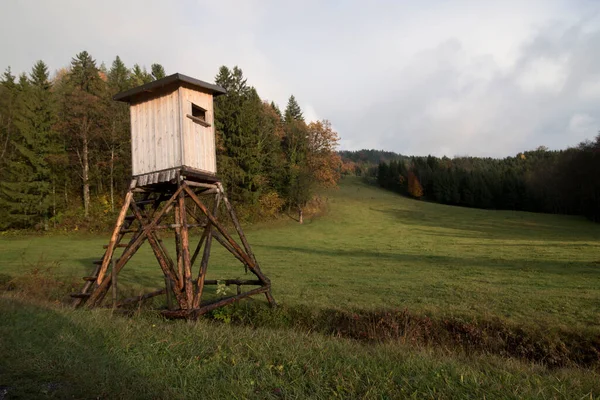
x: 559, y: 182
x: 65, y: 149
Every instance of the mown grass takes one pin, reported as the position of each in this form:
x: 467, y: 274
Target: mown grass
x: 373, y: 252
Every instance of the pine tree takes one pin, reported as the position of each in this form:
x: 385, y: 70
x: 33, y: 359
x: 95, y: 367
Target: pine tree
x: 158, y: 72
x: 84, y: 73
x: 293, y: 111
x: 26, y: 189
x: 276, y: 109
x: 117, y: 140
x: 118, y: 76
x: 8, y: 94
x: 245, y: 142
x: 140, y: 76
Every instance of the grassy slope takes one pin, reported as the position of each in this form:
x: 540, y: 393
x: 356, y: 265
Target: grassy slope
x: 374, y: 250
x: 377, y: 249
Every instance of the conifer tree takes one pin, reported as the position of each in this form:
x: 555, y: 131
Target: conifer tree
x: 117, y: 139
x: 118, y: 76
x: 158, y: 72
x: 293, y: 112
x: 26, y: 187
x: 140, y: 76
x: 82, y: 115
x: 276, y: 109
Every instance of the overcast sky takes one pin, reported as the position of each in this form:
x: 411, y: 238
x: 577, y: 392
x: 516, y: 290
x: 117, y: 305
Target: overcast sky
x: 481, y: 78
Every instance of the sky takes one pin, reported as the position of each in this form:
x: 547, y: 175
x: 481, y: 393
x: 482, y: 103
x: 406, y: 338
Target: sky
x: 454, y: 78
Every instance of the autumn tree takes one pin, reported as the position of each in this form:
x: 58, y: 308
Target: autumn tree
x: 414, y: 186
x: 322, y: 158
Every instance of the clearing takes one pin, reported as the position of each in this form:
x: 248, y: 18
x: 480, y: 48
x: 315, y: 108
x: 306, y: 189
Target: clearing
x: 497, y: 272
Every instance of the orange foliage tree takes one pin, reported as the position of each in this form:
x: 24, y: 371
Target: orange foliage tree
x: 414, y: 186
x: 323, y: 160
x: 348, y: 167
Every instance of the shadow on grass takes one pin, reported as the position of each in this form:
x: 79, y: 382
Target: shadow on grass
x: 45, y: 354
x: 545, y: 266
x: 496, y: 224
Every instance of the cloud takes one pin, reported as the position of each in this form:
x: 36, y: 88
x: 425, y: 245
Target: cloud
x: 444, y: 78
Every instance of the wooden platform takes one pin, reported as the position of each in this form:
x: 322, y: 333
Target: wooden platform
x: 170, y: 176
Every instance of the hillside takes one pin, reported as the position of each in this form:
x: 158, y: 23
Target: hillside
x: 374, y: 254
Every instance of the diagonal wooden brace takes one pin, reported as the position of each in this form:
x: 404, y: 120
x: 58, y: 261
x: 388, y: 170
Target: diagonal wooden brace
x: 100, y: 291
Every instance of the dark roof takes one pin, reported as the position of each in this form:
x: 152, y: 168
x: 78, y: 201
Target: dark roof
x: 175, y: 78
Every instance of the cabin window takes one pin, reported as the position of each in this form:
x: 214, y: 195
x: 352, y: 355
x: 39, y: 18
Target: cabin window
x: 198, y: 115
x: 198, y: 112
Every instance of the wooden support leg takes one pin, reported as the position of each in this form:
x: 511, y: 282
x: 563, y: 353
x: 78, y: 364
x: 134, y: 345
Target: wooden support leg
x: 247, y: 259
x: 178, y: 248
x: 185, y: 250
x: 245, y: 243
x: 113, y: 239
x: 206, y: 255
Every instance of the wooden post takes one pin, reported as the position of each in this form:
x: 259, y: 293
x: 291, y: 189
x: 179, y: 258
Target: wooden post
x: 178, y: 244
x: 116, y: 232
x: 185, y: 249
x: 246, y: 245
x: 206, y: 254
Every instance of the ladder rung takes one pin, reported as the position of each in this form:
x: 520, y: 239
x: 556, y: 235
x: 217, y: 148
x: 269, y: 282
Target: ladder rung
x: 90, y: 278
x: 128, y: 230
x: 80, y: 295
x: 121, y: 245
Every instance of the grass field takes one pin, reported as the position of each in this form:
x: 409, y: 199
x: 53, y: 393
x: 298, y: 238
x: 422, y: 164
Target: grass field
x: 373, y: 251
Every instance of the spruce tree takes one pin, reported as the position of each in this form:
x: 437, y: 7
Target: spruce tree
x: 276, y: 109
x: 117, y: 139
x: 293, y: 111
x: 140, y: 76
x: 157, y: 70
x: 26, y: 189
x: 118, y: 76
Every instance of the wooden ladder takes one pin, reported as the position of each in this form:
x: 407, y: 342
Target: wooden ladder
x: 125, y: 222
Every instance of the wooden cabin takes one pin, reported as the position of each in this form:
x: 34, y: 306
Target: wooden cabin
x: 172, y: 129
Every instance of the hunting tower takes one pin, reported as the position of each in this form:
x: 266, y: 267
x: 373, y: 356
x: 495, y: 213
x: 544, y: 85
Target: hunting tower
x: 174, y: 187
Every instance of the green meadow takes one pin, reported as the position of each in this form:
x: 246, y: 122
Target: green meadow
x: 370, y: 255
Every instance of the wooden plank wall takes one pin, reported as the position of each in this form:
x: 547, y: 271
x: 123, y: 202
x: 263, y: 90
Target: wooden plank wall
x: 199, y: 141
x: 155, y: 134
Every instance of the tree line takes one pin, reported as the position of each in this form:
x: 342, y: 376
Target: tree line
x: 65, y: 145
x: 561, y: 182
